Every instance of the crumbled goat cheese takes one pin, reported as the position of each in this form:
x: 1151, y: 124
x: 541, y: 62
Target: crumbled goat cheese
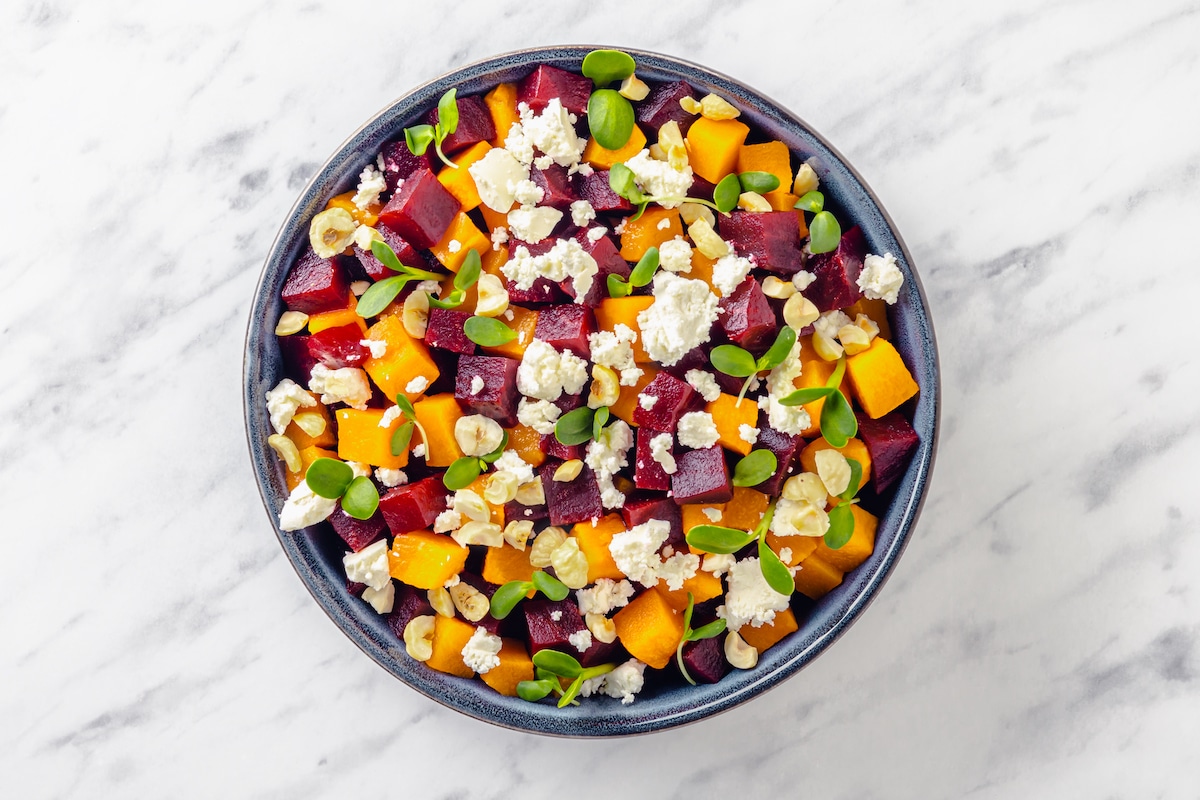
x: 606, y: 456
x: 781, y: 382
x: 635, y: 551
x: 581, y: 640
x: 604, y: 597
x: 382, y: 600
x: 677, y: 569
x: 829, y: 323
x: 675, y: 255
x: 647, y: 401
x: 785, y: 554
x: 528, y: 193
x: 345, y: 385
x: 620, y: 226
x: 704, y: 383
x: 748, y: 433
x: 419, y: 450
x: 476, y: 385
x: 511, y: 461
x: 499, y: 237
x: 552, y: 132
x: 496, y: 177
x: 390, y: 477
x: 417, y: 385
x: 566, y: 259
x: 729, y: 272
x: 625, y: 681
x: 660, y: 451
x: 303, y: 508
x: 377, y: 347
x: 596, y: 234
x: 480, y: 651
x: 545, y: 373
x: 697, y: 430
x: 881, y: 278
x: 448, y: 520
x: 283, y: 402
x: 679, y: 319
x: 658, y: 179
x: 614, y: 349
x: 533, y: 223
x: 371, y: 184
x: 802, y: 280
x: 454, y: 245
x: 389, y: 416
x: 582, y: 213
x: 369, y: 565
x: 540, y: 415
x: 713, y: 514
x: 359, y: 469
x: 556, y: 615
x: 750, y: 599
x: 718, y: 563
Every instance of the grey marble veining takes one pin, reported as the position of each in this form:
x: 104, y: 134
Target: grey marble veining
x: 1039, y: 638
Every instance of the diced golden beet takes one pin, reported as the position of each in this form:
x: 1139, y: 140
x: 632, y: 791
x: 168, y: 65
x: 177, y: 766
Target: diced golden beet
x: 854, y: 449
x: 307, y: 456
x: 650, y: 629
x: 478, y: 486
x: 745, y: 509
x: 326, y: 438
x: 524, y: 323
x: 713, y: 146
x: 425, y: 560
x: 801, y: 546
x: 593, y: 541
x: 693, y: 515
x: 816, y: 577
x: 527, y: 443
x: 627, y: 400
x: 450, y: 636
x: 506, y: 563
x: 880, y: 379
x: 336, y: 319
x: 406, y: 358
x: 501, y: 102
x: 600, y: 158
x: 493, y: 220
x: 853, y: 553
x: 813, y: 374
x: 876, y: 310
x: 768, y: 635
x: 702, y: 585
x: 361, y: 439
x: 774, y: 158
x: 785, y: 201
x: 363, y: 216
x: 640, y: 236
x: 702, y: 268
x: 807, y: 351
x: 493, y: 260
x: 469, y: 237
x: 438, y: 415
x: 730, y: 415
x: 459, y: 181
x: 624, y: 310
x: 515, y: 666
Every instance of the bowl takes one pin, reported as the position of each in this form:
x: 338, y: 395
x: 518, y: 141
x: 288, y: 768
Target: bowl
x: 318, y: 559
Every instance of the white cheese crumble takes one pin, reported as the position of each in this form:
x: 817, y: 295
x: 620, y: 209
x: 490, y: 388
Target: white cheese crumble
x: 697, y: 430
x: 679, y: 319
x: 566, y: 259
x: 729, y: 272
x: 417, y: 385
x: 539, y: 415
x: 303, y: 508
x: 607, y: 595
x: 389, y: 416
x: 390, y: 477
x: 528, y: 193
x: 510, y: 461
x: 881, y: 278
x: 675, y: 255
x: 829, y: 323
x: 448, y: 520
x: 748, y: 433
x: 647, y: 401
x: 283, y: 402
x: 480, y: 653
x: 382, y: 600
x: 660, y: 180
x: 635, y: 551
x: 614, y: 349
x: 552, y: 132
x: 496, y: 177
x: 713, y: 514
x: 476, y: 385
x: 581, y: 640
x: 533, y: 223
x: 377, y: 347
x: 454, y: 245
x: 596, y: 234
x: 677, y: 569
x: 785, y: 554
x: 781, y: 382
x: 718, y: 563
x: 499, y: 237
x: 582, y: 213
x: 663, y: 224
x: 625, y: 681
x: 606, y: 456
x: 556, y: 615
x: 371, y: 184
x: 419, y: 450
x: 750, y: 599
x: 704, y: 383
x: 545, y: 373
x: 660, y: 451
x: 345, y: 385
x: 369, y: 565
x: 802, y: 280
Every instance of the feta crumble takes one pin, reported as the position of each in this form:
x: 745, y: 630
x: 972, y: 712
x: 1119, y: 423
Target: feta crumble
x: 556, y: 615
x: 345, y: 385
x: 566, y: 259
x: 389, y: 416
x: 881, y: 278
x: 539, y: 415
x: 697, y: 430
x: 476, y: 385
x: 635, y: 551
x: 748, y: 433
x: 496, y: 177
x: 371, y: 184
x: 303, y: 508
x: 382, y: 600
x: 675, y: 255
x: 729, y: 272
x: 596, y: 234
x: 510, y: 461
x: 713, y: 514
x: 582, y: 213
x: 718, y: 563
x: 454, y: 245
x: 647, y: 401
x: 802, y: 280
x: 369, y: 565
x: 606, y: 596
x: 581, y: 640
x: 533, y: 223
x: 528, y: 193
x: 704, y: 383
x: 625, y: 681
x: 781, y: 382
x: 447, y: 521
x: 608, y: 455
x: 390, y: 477
x: 677, y: 569
x: 378, y: 348
x: 417, y: 385
x: 658, y: 179
x: 284, y: 400
x: 499, y: 237
x: 679, y: 319
x: 660, y: 451
x: 480, y: 651
x: 545, y: 373
x: 750, y: 599
x: 614, y: 349
x: 552, y: 132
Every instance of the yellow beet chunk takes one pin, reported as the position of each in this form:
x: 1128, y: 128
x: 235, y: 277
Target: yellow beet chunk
x: 876, y: 310
x: 425, y: 560
x: 593, y: 541
x: 307, y: 456
x: 785, y: 201
x: 361, y: 439
x: 326, y: 438
x: 515, y: 666
x: 713, y: 146
x: 501, y: 102
x: 816, y: 577
x: 437, y: 415
x: 702, y: 585
x: 493, y: 260
x: 801, y: 546
x: 450, y: 636
x: 880, y: 379
x: 469, y: 237
x: 745, y: 509
x: 774, y: 158
x: 524, y: 324
x: 628, y: 398
x: 345, y: 201
x: 601, y: 158
x: 639, y: 236
x: 527, y: 443
x: 853, y: 553
x: 506, y: 563
x: 702, y: 268
x: 624, y: 311
x: 650, y: 629
x: 693, y: 515
x: 406, y: 358
x: 813, y: 374
x: 459, y: 181
x: 767, y: 636
x: 337, y: 318
x: 729, y: 415
x: 854, y: 449
x: 494, y: 219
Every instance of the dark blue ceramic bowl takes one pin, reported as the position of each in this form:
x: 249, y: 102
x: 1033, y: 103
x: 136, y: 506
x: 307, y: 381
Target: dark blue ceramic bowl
x: 317, y: 557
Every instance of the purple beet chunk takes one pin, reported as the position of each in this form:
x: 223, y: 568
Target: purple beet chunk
x: 674, y: 399
x: 415, y: 506
x: 315, y: 284
x: 770, y: 238
x: 421, y: 211
x: 749, y: 320
x: 596, y: 190
x: 891, y: 441
x: 542, y: 291
x: 498, y: 397
x: 534, y: 248
x: 399, y: 162
x: 546, y: 83
x: 355, y: 589
x: 572, y: 502
x: 836, y: 284
x: 569, y: 402
x: 702, y: 188
x: 338, y: 347
x: 546, y: 632
x: 702, y: 477
x: 662, y: 106
x: 641, y: 508
x: 374, y: 268
x: 475, y: 125
x: 409, y: 603
x: 445, y: 331
x: 558, y: 187
x: 297, y: 360
x: 555, y: 449
x: 786, y: 449
x: 516, y: 511
x: 648, y: 473
x: 705, y: 660
x: 697, y: 358
x: 608, y: 262
x: 566, y: 327
x: 358, y: 533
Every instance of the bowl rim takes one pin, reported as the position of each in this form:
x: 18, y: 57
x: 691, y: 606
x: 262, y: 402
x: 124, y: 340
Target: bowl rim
x: 923, y: 459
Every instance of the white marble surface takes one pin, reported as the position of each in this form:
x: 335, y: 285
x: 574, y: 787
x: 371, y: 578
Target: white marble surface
x: 1040, y: 637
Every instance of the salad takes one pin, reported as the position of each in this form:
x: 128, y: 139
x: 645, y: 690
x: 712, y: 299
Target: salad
x: 591, y: 384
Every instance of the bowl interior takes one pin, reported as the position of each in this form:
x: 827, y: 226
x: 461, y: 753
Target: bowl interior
x: 317, y: 557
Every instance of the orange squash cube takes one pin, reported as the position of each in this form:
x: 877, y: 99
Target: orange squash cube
x: 813, y: 374
x: 702, y: 268
x: 493, y: 219
x: 438, y: 415
x: 478, y: 486
x: 515, y: 666
x: 524, y: 323
x: 336, y: 319
x: 640, y: 236
x: 600, y: 158
x: 774, y: 158
x: 785, y: 201
x: 425, y: 560
x: 745, y: 509
x: 854, y: 449
x: 493, y: 260
x: 624, y: 310
x: 363, y: 216
x: 593, y: 541
x: 506, y: 563
x: 361, y: 439
x: 406, y: 358
x: 326, y: 438
x: 713, y: 146
x: 501, y: 102
x: 876, y: 310
x: 463, y: 231
x: 801, y: 547
x: 853, y: 553
x: 527, y: 443
x: 628, y: 398
x: 880, y: 378
x: 729, y: 415
x: 703, y: 586
x: 649, y: 628
x: 816, y: 577
x: 459, y: 181
x: 450, y: 636
x: 307, y: 456
x: 767, y: 636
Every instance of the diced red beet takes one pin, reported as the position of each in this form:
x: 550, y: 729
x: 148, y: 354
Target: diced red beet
x: 475, y: 125
x: 596, y: 190
x: 674, y: 399
x: 836, y: 284
x: 338, y: 347
x: 543, y: 290
x: 355, y: 589
x: 662, y: 105
x: 640, y: 508
x: 374, y: 268
x: 786, y: 449
x: 546, y: 83
x: 608, y: 262
x: 546, y: 632
x: 748, y: 321
x: 553, y: 448
x: 566, y: 327
x: 890, y: 441
x: 421, y: 211
x: 358, y: 533
x: 569, y: 402
x: 702, y: 188
x: 648, y: 473
x: 701, y: 477
x: 534, y: 248
x: 697, y: 358
x: 399, y: 162
x: 415, y: 506
x: 517, y: 511
x: 498, y: 397
x: 572, y: 502
x: 705, y: 660
x: 445, y: 331
x: 558, y: 187
x: 297, y: 360
x: 315, y: 284
x: 770, y: 238
x: 409, y: 603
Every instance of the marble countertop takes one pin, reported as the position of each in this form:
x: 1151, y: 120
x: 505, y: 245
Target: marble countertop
x: 1040, y: 636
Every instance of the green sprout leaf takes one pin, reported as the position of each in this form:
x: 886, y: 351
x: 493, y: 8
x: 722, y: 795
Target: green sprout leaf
x: 774, y: 571
x: 461, y: 473
x: 448, y: 113
x: 535, y: 690
x: 824, y: 233
x: 386, y: 255
x: 418, y: 138
x: 733, y: 360
x: 469, y: 272
x: 406, y: 406
x: 779, y: 350
x: 361, y: 498
x: 708, y: 631
x: 643, y: 271
x: 574, y: 427
x: 802, y: 396
x: 841, y: 526
x: 488, y: 332
x: 607, y: 66
x: 835, y: 379
x: 725, y: 196
x: 599, y: 419
x: 856, y: 473
x: 755, y: 468
x: 624, y: 184
x: 506, y: 598
x: 813, y: 202
x: 617, y: 287
x: 380, y: 295
x: 494, y: 456
x: 838, y: 423
x: 328, y: 477
x: 610, y: 119
x: 570, y: 694
x: 716, y: 539
x: 761, y: 182
x: 453, y: 300
x: 402, y: 437
x: 550, y: 586
x: 557, y: 663
x: 704, y: 632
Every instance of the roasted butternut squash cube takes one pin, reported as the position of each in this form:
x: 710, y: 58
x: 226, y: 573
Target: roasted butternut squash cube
x: 515, y: 666
x: 796, y: 548
x: 460, y: 238
x: 527, y: 443
x: 624, y: 310
x: 880, y: 378
x: 336, y: 319
x: 854, y: 449
x: 698, y: 514
x: 703, y: 586
x: 649, y: 231
x: 816, y: 577
x: 853, y: 553
x: 593, y: 541
x: 745, y: 509
x: 438, y: 415
x: 713, y: 146
x: 773, y: 158
x: 506, y: 563
x: 649, y: 628
x: 767, y: 636
x: 601, y: 158
x: 404, y: 359
x: 363, y: 216
x: 425, y: 560
x: 326, y: 438
x: 814, y: 373
x: 729, y: 415
x: 501, y: 103
x: 450, y: 636
x: 876, y: 310
x: 524, y: 324
x: 459, y: 181
x: 360, y: 438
